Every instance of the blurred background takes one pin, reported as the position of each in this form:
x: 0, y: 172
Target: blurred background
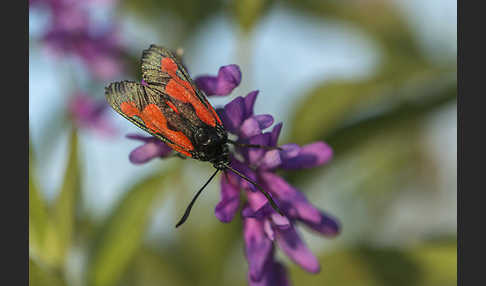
x: 375, y: 79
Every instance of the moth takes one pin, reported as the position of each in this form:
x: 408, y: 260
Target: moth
x: 168, y: 105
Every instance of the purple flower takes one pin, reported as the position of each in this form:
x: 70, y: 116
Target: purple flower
x: 264, y: 228
x: 227, y: 79
x: 151, y: 149
x: 87, y: 113
x: 71, y: 31
x: 98, y: 51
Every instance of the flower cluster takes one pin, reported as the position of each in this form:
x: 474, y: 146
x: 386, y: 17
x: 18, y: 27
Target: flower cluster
x: 72, y: 31
x: 264, y: 228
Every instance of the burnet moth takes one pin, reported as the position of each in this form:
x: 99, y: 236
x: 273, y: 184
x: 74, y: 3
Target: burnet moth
x: 168, y: 105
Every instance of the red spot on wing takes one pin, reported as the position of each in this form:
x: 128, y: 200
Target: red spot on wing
x: 154, y: 120
x: 178, y: 92
x: 183, y: 91
x: 168, y: 65
x: 130, y: 109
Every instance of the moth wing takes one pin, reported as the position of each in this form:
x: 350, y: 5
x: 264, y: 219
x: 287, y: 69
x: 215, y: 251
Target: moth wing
x: 157, y: 77
x: 142, y: 105
x: 154, y: 74
x: 117, y: 93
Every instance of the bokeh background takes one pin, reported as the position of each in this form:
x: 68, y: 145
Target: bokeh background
x: 374, y: 79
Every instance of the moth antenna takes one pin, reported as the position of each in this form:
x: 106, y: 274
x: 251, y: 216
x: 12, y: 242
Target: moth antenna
x: 267, y: 195
x: 189, y: 207
x: 253, y: 145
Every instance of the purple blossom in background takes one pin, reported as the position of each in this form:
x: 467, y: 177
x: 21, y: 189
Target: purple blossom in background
x: 71, y: 31
x: 90, y: 114
x: 152, y: 148
x: 264, y: 228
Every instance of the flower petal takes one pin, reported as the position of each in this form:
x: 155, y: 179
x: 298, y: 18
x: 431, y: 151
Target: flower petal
x: 275, y: 133
x: 328, y: 225
x: 310, y: 155
x: 264, y: 120
x: 249, y: 128
x: 146, y: 152
x: 152, y: 148
x: 256, y: 201
x: 255, y: 124
x: 275, y: 274
x: 289, y: 241
x: 279, y: 220
x: 234, y: 113
x: 267, y: 227
x: 245, y: 170
x: 230, y: 200
x: 227, y: 79
x: 249, y: 100
x: 294, y: 202
x: 271, y: 160
x: 258, y: 248
x: 289, y: 151
x: 254, y: 155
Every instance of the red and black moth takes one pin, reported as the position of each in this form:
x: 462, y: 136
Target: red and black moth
x: 169, y: 106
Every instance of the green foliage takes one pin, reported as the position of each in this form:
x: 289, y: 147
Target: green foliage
x: 37, y: 212
x: 438, y: 261
x: 63, y: 212
x: 427, y: 264
x: 51, y: 227
x: 121, y: 235
x: 40, y: 275
x: 214, y: 242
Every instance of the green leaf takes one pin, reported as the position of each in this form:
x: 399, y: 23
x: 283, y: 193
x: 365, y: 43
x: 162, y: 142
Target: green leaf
x: 122, y: 233
x: 406, y: 113
x: 151, y: 267
x: 429, y: 264
x: 39, y: 275
x: 207, y: 248
x: 427, y: 98
x: 329, y: 108
x: 37, y: 211
x: 326, y: 106
x: 61, y: 223
x: 439, y: 263
x: 342, y: 268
